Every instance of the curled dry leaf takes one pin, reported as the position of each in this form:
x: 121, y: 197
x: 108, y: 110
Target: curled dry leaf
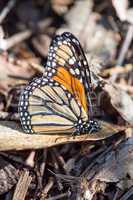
x: 116, y: 165
x: 11, y: 139
x: 9, y: 70
x: 121, y: 101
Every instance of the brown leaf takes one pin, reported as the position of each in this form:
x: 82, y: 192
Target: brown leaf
x: 11, y: 139
x: 9, y: 70
x: 121, y: 101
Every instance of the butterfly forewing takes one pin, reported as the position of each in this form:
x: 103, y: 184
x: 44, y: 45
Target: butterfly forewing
x: 66, y: 54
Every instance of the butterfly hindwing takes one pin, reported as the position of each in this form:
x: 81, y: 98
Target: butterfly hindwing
x: 46, y: 107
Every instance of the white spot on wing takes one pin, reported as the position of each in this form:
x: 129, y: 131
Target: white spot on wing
x: 71, y: 61
x: 72, y: 71
x: 59, y: 43
x: 53, y: 64
x: 77, y: 71
x: 65, y: 42
x: 85, y: 63
x: 49, y: 74
x: 48, y: 63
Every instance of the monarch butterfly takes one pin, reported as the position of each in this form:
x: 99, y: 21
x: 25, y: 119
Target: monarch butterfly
x: 59, y: 101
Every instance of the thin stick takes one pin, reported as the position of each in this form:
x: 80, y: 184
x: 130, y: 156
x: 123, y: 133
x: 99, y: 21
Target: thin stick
x: 6, y: 44
x: 60, y: 196
x: 48, y: 187
x: 125, y: 46
x: 7, y: 9
x: 22, y: 186
x: 9, y: 116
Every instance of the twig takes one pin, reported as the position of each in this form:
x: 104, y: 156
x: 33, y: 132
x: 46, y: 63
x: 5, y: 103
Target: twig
x: 47, y: 188
x: 15, y: 39
x: 118, y: 70
x: 60, y: 196
x: 56, y: 169
x: 40, y: 172
x: 71, y: 179
x: 125, y: 45
x: 22, y: 186
x: 117, y: 194
x: 9, y: 116
x: 30, y: 160
x: 13, y: 158
x: 43, y: 165
x: 59, y: 158
x: 36, y: 66
x: 6, y: 44
x: 123, y: 50
x: 6, y: 10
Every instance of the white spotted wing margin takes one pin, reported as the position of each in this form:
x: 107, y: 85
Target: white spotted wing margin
x: 46, y: 107
x: 65, y: 51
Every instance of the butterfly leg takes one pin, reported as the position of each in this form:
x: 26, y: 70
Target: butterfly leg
x: 93, y: 126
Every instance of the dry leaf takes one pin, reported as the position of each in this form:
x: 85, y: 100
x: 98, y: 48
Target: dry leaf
x: 9, y: 70
x: 121, y: 101
x: 117, y: 164
x: 11, y: 139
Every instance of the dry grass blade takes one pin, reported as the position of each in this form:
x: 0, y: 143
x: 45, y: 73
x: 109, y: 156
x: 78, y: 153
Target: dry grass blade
x: 22, y: 186
x: 125, y: 45
x: 7, y: 9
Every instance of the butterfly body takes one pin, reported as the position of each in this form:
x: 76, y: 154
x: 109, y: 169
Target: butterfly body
x: 59, y: 102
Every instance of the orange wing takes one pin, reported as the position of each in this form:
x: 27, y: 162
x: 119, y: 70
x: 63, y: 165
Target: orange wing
x: 72, y: 84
